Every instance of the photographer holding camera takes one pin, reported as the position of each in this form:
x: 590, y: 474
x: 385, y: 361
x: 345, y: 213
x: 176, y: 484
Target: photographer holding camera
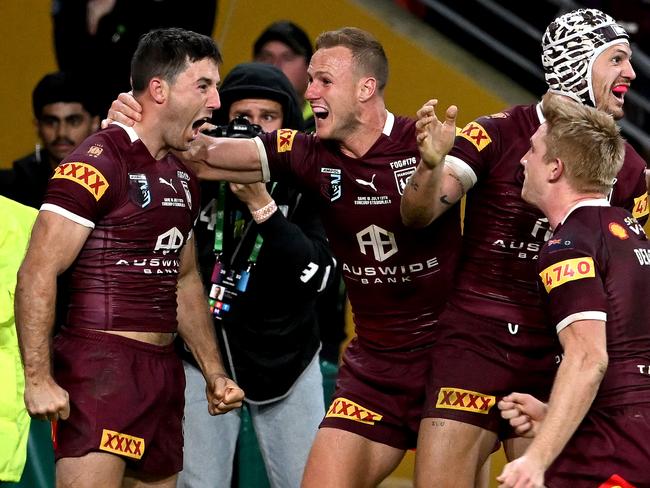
x: 264, y: 258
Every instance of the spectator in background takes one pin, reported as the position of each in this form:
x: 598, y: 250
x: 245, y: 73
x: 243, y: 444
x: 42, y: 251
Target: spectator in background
x: 64, y: 115
x: 267, y: 328
x: 287, y: 46
x: 100, y: 36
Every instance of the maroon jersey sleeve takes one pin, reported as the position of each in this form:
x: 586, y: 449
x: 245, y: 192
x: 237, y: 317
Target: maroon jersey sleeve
x: 570, y: 277
x: 87, y: 183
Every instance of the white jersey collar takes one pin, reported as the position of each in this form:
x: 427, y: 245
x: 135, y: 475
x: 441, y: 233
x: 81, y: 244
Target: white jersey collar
x: 133, y: 135
x: 592, y: 202
x: 390, y: 122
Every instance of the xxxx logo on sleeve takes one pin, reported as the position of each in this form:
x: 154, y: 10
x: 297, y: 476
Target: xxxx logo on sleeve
x: 285, y: 139
x: 476, y: 134
x: 85, y: 175
x: 347, y: 409
x: 468, y: 401
x: 122, y: 444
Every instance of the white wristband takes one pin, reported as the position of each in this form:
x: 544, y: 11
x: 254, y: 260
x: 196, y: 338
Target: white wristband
x: 262, y: 214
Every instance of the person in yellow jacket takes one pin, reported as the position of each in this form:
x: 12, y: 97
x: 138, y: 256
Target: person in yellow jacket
x: 15, y: 228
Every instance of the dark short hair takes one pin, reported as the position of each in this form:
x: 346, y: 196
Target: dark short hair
x: 259, y: 81
x: 367, y: 52
x: 166, y: 52
x: 64, y: 87
x: 288, y: 33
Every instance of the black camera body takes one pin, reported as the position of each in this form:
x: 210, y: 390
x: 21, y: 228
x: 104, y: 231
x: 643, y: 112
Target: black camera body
x: 238, y: 128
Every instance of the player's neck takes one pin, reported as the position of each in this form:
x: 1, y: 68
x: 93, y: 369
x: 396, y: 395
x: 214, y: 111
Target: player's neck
x: 151, y: 137
x: 369, y: 127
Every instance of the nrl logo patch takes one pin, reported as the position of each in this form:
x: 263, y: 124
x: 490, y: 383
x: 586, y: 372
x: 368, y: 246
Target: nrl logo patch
x: 139, y: 191
x: 332, y: 187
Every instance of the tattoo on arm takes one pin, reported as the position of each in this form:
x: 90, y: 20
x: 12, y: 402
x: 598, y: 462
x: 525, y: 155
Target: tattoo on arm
x: 438, y: 423
x: 413, y: 184
x: 445, y: 198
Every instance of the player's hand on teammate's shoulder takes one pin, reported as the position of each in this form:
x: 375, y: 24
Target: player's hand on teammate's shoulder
x: 125, y: 110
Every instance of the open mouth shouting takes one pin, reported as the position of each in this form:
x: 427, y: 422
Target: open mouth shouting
x: 320, y: 112
x: 619, y: 91
x: 196, y: 126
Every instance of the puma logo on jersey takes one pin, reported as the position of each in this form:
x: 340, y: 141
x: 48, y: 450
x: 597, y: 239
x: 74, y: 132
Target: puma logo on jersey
x: 168, y: 183
x: 370, y: 183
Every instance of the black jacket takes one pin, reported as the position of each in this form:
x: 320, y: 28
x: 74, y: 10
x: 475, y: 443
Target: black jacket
x: 270, y: 335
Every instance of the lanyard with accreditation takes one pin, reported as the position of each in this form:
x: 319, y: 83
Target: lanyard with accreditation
x: 228, y: 283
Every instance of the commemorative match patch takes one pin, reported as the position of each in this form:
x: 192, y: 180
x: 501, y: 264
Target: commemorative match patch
x: 568, y: 270
x: 122, y: 444
x: 285, y: 139
x: 476, y: 134
x: 85, y: 175
x: 465, y: 400
x: 347, y: 409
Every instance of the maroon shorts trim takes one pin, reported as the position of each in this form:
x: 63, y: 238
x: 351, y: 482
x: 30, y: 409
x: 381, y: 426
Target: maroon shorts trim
x: 126, y: 398
x: 379, y: 395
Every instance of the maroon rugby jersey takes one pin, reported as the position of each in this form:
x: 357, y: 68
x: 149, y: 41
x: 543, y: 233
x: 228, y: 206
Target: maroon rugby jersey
x: 597, y: 266
x: 502, y: 233
x: 397, y: 279
x: 141, y: 212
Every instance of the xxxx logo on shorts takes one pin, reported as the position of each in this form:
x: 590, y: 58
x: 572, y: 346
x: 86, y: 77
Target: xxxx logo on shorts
x: 122, y: 444
x: 285, y: 139
x: 468, y: 401
x: 84, y: 174
x: 476, y: 134
x: 347, y: 409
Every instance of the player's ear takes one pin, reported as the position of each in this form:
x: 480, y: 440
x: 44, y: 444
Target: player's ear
x: 556, y: 169
x: 158, y: 89
x: 367, y: 88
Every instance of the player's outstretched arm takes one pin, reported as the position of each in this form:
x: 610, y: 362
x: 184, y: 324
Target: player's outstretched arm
x: 433, y: 188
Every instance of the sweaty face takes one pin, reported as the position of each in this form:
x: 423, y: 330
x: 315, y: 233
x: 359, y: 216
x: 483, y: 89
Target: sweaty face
x: 293, y: 65
x: 191, y: 99
x: 611, y: 76
x: 265, y: 113
x: 62, y: 127
x: 332, y: 92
